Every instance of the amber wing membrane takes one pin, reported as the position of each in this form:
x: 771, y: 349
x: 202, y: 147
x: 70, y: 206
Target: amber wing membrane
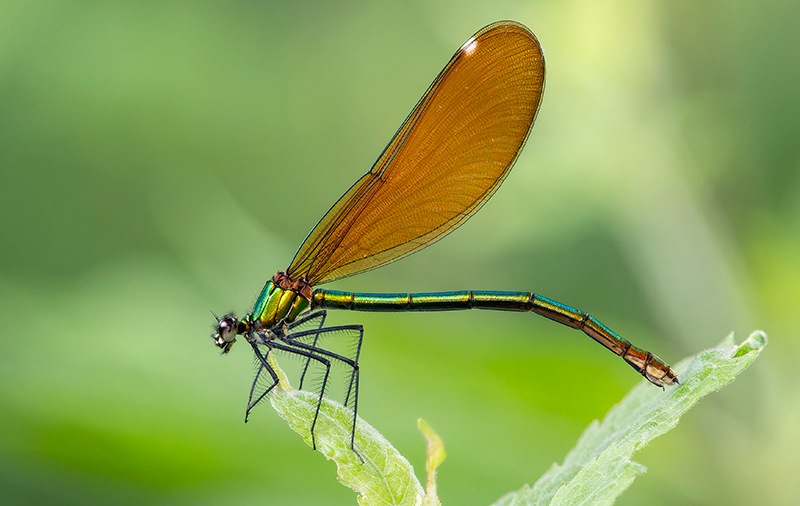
x: 448, y: 157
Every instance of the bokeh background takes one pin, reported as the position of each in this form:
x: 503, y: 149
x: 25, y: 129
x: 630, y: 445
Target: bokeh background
x: 160, y: 159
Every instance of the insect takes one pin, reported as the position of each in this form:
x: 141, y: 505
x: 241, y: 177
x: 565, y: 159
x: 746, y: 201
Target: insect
x: 448, y: 157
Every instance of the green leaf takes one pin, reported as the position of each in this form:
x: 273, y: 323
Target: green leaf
x: 384, y: 477
x: 596, y: 471
x: 600, y: 468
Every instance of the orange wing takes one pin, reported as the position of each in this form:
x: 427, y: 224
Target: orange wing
x: 448, y: 157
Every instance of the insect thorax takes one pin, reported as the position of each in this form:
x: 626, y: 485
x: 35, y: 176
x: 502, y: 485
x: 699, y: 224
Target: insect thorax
x: 281, y: 301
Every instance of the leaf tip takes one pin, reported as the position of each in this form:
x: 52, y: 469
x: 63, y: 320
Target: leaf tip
x: 435, y: 455
x: 755, y: 342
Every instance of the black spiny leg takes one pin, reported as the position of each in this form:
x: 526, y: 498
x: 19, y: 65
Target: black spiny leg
x: 302, y: 339
x: 322, y: 360
x: 307, y: 344
x: 262, y: 366
x: 299, y: 323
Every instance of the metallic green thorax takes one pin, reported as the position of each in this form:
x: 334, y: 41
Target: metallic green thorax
x: 277, y: 305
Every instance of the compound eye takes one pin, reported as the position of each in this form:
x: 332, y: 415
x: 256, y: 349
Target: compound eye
x: 225, y: 335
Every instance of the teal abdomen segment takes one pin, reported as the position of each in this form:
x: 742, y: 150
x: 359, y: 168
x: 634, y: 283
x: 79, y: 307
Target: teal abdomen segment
x: 465, y: 299
x: 435, y: 301
x: 277, y: 305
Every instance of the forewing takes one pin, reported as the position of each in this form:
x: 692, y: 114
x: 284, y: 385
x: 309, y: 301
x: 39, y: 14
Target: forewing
x: 448, y: 157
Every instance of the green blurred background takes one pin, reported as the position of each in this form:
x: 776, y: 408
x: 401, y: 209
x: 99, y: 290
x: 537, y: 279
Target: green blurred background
x: 160, y: 159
